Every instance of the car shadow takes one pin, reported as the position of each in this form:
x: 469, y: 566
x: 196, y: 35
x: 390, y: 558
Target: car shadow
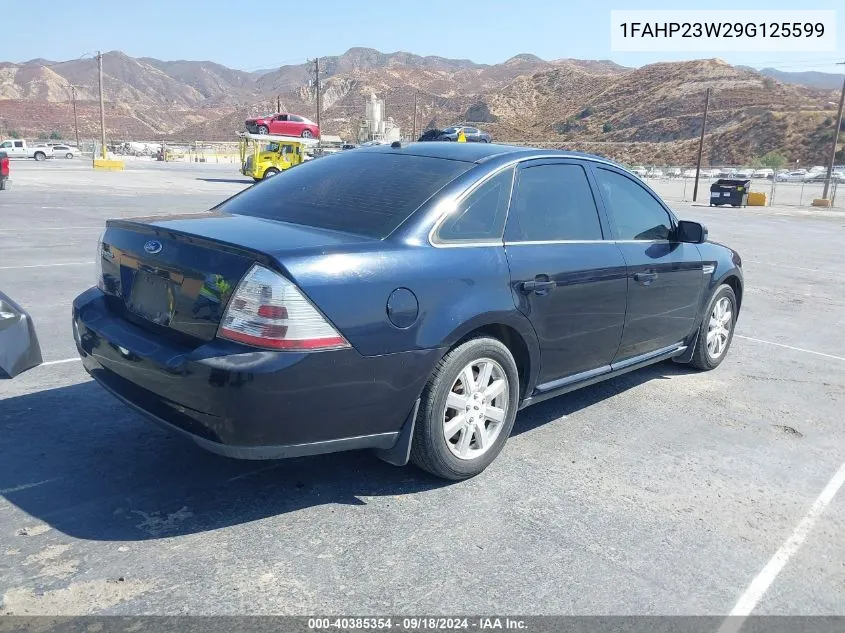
x: 236, y: 181
x: 85, y: 464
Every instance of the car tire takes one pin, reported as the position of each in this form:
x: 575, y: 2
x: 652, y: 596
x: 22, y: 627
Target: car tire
x: 68, y: 155
x: 306, y: 134
x: 262, y: 129
x: 40, y: 156
x: 465, y: 455
x: 269, y: 173
x: 704, y: 357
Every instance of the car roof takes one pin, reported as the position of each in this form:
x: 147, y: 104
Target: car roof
x: 481, y: 152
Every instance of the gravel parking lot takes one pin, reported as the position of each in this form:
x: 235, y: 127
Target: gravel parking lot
x: 661, y: 492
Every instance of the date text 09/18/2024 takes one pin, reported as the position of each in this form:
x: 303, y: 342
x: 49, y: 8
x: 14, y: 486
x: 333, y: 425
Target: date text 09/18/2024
x: 419, y: 623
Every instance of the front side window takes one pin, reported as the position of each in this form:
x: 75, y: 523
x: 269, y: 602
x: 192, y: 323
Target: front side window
x: 554, y: 203
x: 6, y: 144
x: 480, y: 217
x: 633, y: 210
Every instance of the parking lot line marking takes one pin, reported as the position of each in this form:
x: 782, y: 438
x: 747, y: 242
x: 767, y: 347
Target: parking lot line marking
x: 45, y: 265
x: 796, y: 349
x: 60, y: 362
x: 809, y: 270
x: 758, y: 587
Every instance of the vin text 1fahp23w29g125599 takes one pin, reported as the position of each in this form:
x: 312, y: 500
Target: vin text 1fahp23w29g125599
x: 408, y: 299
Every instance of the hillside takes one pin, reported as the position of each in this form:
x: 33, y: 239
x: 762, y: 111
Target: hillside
x: 646, y: 114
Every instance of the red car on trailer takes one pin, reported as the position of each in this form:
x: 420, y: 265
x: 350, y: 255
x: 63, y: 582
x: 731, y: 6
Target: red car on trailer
x: 283, y: 124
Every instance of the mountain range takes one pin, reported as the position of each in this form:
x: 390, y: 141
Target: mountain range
x: 651, y: 114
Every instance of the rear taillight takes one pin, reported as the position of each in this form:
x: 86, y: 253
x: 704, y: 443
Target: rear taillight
x: 269, y: 311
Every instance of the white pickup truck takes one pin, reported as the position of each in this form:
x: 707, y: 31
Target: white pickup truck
x: 20, y: 149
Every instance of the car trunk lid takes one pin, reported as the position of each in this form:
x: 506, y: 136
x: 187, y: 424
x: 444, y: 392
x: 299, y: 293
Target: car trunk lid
x: 176, y: 274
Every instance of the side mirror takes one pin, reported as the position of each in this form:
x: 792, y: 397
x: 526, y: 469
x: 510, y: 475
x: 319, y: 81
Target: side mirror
x: 690, y: 232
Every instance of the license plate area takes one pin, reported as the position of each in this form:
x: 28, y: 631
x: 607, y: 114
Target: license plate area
x: 152, y: 298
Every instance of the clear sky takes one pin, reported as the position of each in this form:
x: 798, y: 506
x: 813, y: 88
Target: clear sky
x: 262, y: 34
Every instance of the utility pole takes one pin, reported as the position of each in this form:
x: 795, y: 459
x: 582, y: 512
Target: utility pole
x: 835, y: 141
x: 317, y: 72
x: 75, y: 120
x: 414, y: 129
x: 102, y: 105
x: 278, y: 103
x: 701, y: 145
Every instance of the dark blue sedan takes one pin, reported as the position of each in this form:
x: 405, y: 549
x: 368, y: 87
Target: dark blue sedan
x: 408, y: 299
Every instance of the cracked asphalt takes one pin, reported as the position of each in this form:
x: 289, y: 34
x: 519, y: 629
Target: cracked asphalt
x: 662, y: 492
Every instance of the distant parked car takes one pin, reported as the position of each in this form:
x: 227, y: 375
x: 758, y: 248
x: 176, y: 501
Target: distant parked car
x: 762, y: 173
x: 283, y: 124
x: 65, y: 151
x: 655, y: 173
x: 793, y: 176
x: 689, y: 173
x: 639, y: 171
x: 674, y: 172
x: 18, y: 148
x: 836, y: 176
x: 473, y: 134
x: 743, y: 173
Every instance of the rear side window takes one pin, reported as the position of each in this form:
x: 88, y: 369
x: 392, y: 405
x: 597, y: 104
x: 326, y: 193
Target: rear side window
x: 633, y: 210
x: 554, y: 202
x: 363, y: 192
x: 480, y: 217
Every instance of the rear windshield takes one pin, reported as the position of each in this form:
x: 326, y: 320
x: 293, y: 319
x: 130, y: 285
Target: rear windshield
x: 356, y: 192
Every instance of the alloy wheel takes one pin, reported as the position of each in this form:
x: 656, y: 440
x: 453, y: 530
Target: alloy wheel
x: 719, y: 328
x: 476, y: 408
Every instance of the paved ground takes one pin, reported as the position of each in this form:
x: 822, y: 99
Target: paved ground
x: 661, y: 492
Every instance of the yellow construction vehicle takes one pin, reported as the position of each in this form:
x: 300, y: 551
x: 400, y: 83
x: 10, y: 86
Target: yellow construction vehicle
x: 265, y: 155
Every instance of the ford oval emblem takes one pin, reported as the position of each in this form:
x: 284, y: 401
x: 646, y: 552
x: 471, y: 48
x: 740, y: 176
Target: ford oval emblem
x: 153, y: 247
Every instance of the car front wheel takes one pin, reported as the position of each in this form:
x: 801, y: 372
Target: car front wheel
x: 467, y: 410
x: 717, y: 329
x: 306, y: 134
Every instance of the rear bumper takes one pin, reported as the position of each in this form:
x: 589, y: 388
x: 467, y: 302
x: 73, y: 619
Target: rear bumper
x: 247, y: 403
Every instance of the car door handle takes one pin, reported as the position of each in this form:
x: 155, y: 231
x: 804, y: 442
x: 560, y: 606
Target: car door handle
x: 645, y: 278
x: 537, y: 287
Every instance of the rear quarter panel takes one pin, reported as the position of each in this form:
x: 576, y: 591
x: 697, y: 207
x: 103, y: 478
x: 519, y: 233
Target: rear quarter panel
x: 457, y: 291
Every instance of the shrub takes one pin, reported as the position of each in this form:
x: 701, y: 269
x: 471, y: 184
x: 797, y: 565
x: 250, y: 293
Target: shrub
x: 55, y: 135
x: 773, y: 160
x: 607, y: 127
